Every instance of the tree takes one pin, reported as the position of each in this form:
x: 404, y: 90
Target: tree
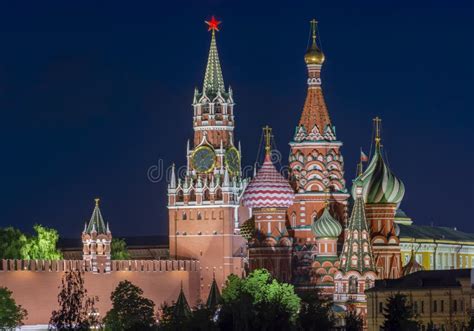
x: 43, y: 244
x: 12, y: 243
x: 11, y: 314
x: 16, y: 245
x: 202, y: 318
x: 399, y: 314
x: 119, y: 249
x: 130, y: 310
x: 354, y: 321
x: 315, y: 312
x: 258, y: 302
x: 76, y: 310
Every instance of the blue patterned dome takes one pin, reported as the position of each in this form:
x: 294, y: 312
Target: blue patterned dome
x: 326, y: 226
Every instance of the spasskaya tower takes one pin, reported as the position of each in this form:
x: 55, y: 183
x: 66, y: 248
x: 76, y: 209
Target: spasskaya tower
x: 204, y: 205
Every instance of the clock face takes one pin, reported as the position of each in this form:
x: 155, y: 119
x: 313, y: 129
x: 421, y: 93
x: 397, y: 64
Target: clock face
x: 203, y: 159
x: 232, y: 160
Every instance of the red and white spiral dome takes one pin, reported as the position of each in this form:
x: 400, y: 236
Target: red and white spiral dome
x: 268, y: 189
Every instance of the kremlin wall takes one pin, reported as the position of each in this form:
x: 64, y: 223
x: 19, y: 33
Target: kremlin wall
x: 309, y: 229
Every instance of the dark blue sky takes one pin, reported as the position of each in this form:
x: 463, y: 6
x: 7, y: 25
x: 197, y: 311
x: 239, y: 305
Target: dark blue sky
x: 94, y: 93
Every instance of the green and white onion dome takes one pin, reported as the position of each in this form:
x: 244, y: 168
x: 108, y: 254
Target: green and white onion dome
x: 326, y: 226
x: 379, y: 183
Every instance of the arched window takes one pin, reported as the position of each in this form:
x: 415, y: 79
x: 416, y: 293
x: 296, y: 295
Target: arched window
x: 199, y: 217
x: 353, y: 285
x: 355, y: 247
x: 206, y: 196
x: 180, y: 196
x: 184, y: 216
x: 293, y: 220
x: 192, y: 196
x: 218, y: 194
x: 205, y: 108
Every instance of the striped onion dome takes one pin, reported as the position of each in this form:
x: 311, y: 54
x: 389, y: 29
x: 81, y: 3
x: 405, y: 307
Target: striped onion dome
x: 326, y: 226
x: 268, y: 189
x: 379, y: 183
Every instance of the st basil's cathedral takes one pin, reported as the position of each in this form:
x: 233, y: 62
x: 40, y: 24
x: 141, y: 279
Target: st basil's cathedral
x: 306, y: 229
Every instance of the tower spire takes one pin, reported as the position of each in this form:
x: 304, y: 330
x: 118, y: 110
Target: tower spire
x: 377, y: 123
x: 315, y: 117
x: 267, y: 131
x: 213, y: 79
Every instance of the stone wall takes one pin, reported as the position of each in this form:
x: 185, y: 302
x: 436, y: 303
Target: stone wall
x: 35, y: 283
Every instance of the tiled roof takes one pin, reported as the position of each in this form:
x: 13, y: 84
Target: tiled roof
x: 433, y: 232
x: 424, y: 279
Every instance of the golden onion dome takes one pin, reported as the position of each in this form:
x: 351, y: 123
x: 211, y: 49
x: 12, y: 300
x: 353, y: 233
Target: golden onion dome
x: 314, y: 55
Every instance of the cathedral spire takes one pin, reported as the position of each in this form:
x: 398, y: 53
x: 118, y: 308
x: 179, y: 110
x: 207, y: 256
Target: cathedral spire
x: 315, y: 118
x: 213, y: 79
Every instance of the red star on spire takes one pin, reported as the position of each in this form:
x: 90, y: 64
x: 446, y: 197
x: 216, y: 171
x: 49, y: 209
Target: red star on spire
x: 213, y: 24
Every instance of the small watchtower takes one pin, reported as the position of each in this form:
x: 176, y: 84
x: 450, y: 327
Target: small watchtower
x: 96, y: 240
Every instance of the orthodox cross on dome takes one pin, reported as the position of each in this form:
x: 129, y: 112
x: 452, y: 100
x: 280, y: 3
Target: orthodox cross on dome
x: 97, y: 200
x: 267, y: 131
x: 377, y: 122
x: 213, y: 24
x: 313, y: 23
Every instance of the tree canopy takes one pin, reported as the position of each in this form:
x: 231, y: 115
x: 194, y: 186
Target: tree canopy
x: 399, y: 314
x: 130, y: 310
x: 315, y: 312
x: 11, y: 314
x: 42, y: 245
x: 76, y: 310
x: 119, y: 249
x: 258, y: 302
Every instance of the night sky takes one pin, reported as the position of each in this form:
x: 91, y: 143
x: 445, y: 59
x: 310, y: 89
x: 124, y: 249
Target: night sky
x: 94, y: 93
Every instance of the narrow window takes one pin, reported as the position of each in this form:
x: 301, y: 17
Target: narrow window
x: 442, y: 305
x: 435, y: 306
x: 380, y: 307
x: 422, y: 307
x: 455, y: 305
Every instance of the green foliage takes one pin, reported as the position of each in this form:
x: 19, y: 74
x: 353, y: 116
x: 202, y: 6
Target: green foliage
x: 258, y: 302
x: 315, y: 312
x: 200, y: 319
x: 399, y: 314
x: 11, y: 314
x: 12, y: 243
x: 76, y: 310
x: 354, y: 321
x: 16, y: 245
x: 119, y: 249
x: 43, y: 245
x: 130, y: 310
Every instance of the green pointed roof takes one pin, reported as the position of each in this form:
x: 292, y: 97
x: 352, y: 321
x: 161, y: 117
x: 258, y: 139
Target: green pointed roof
x: 357, y: 246
x: 214, y: 297
x: 213, y: 79
x: 96, y: 222
x: 326, y: 226
x: 181, y: 307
